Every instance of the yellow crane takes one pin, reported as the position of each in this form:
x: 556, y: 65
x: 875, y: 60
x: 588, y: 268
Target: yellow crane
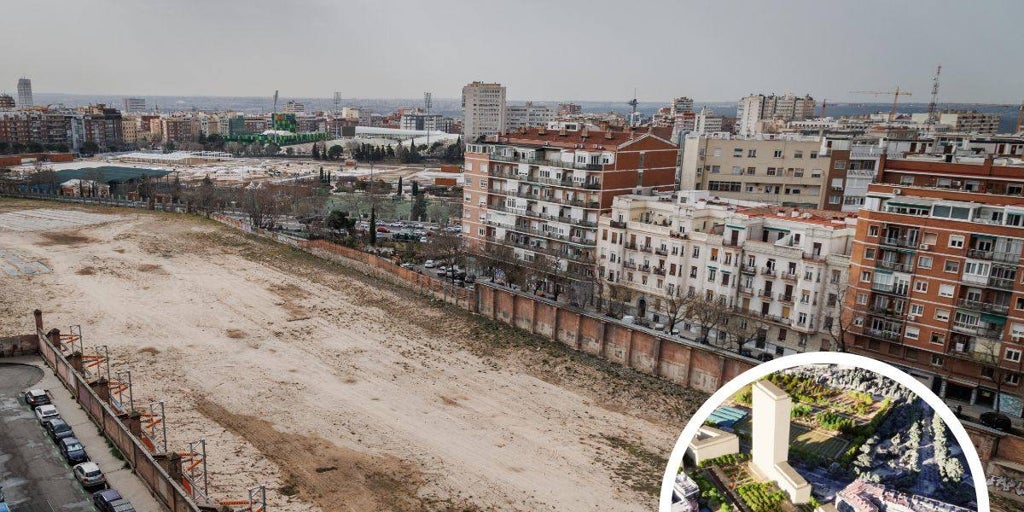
x: 895, y: 98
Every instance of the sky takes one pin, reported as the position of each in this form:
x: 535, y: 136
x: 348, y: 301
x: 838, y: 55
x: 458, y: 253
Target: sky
x: 540, y: 50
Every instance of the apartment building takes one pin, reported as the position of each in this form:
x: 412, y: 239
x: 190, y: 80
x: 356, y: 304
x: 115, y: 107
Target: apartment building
x: 528, y: 115
x: 130, y: 130
x: 179, y: 129
x: 781, y: 268
x: 540, y: 192
x: 483, y: 110
x: 25, y: 93
x: 964, y: 121
x: 422, y: 121
x: 6, y: 102
x: 935, y: 285
x: 755, y: 108
x: 787, y: 170
x: 134, y: 105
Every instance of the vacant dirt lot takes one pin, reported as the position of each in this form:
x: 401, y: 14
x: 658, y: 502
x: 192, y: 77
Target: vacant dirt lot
x: 339, y: 392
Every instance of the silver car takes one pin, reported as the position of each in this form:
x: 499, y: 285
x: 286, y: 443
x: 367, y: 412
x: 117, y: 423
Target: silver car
x: 89, y: 475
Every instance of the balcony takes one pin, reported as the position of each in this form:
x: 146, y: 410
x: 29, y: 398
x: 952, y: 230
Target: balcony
x: 786, y: 298
x: 893, y: 241
x: 895, y: 266
x: 1006, y: 257
x: 987, y: 307
x: 765, y: 293
x: 788, y: 276
x: 629, y: 265
x: 746, y: 290
x: 617, y: 224
x: 659, y: 270
x: 883, y: 334
x: 887, y: 313
x: 748, y: 269
x: 982, y: 330
x: 806, y: 325
x: 550, y: 163
x: 630, y: 245
x: 969, y: 351
x: 891, y: 288
x: 764, y: 316
x: 1003, y: 283
x: 646, y: 248
x: 661, y: 251
x: 769, y: 271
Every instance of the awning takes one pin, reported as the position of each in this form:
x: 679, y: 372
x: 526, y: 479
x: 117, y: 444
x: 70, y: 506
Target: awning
x: 735, y: 227
x: 993, y: 319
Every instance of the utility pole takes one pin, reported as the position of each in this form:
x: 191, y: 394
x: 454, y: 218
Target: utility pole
x: 426, y: 107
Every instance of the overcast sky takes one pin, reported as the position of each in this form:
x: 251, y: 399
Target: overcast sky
x: 543, y: 50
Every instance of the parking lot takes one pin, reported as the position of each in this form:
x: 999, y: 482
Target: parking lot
x: 33, y: 473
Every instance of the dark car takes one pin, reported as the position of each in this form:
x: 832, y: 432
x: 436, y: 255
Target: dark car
x: 109, y: 500
x: 36, y: 397
x: 58, y: 429
x: 72, y: 450
x: 765, y: 357
x: 996, y: 420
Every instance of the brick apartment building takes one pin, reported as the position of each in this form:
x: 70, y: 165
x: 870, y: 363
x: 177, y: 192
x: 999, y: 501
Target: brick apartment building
x: 541, y: 192
x: 935, y: 280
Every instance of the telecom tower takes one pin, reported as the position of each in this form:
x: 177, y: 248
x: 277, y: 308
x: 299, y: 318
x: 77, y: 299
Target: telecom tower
x: 337, y: 101
x: 933, y: 116
x: 634, y: 117
x: 427, y: 102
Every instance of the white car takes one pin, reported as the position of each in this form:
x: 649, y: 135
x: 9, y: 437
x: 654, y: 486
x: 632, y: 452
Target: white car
x: 429, y: 264
x: 46, y: 412
x: 89, y: 475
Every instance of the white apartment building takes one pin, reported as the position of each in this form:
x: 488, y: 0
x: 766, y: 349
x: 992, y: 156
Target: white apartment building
x: 963, y: 121
x: 779, y: 267
x: 757, y: 107
x: 528, y: 115
x: 422, y: 121
x: 483, y: 110
x: 707, y: 122
x: 783, y: 169
x: 293, y: 107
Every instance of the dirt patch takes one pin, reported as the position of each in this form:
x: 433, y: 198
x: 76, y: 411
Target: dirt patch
x: 149, y: 350
x: 150, y: 268
x: 235, y: 334
x: 449, y: 400
x: 288, y: 291
x: 332, y: 477
x: 63, y: 238
x: 635, y: 465
x: 86, y: 271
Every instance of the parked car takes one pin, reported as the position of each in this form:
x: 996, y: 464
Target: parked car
x: 471, y: 278
x: 109, y: 500
x: 36, y: 397
x: 765, y: 357
x: 424, y: 239
x: 46, y: 412
x: 441, y: 272
x: 72, y: 450
x: 89, y: 475
x: 996, y: 420
x: 382, y: 229
x: 406, y: 265
x: 58, y: 429
x: 429, y: 264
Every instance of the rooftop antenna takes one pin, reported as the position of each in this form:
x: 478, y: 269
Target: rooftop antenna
x: 933, y: 116
x: 337, y: 100
x: 633, y: 103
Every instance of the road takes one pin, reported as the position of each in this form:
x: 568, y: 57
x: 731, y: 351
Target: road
x: 32, y: 471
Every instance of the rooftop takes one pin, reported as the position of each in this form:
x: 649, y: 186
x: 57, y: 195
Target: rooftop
x: 588, y: 139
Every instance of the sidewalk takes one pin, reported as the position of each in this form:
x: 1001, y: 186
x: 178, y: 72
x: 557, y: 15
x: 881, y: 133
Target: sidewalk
x: 119, y: 474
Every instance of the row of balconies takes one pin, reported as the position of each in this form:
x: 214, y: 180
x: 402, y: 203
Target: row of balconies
x: 979, y: 329
x: 538, y: 162
x: 1006, y: 257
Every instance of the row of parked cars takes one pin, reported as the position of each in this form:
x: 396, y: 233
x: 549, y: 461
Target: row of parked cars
x: 87, y: 473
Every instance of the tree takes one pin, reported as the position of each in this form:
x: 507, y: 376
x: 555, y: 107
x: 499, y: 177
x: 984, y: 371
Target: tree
x: 741, y: 330
x: 339, y: 220
x: 262, y: 205
x: 419, y: 207
x: 204, y: 197
x: 316, y: 154
x: 445, y: 247
x: 709, y: 312
x: 169, y: 146
x: 676, y: 307
x: 289, y: 151
x: 373, y: 226
x: 271, y: 149
x: 400, y: 189
x: 89, y: 148
x: 618, y: 296
x: 840, y: 315
x: 335, y: 152
x: 415, y: 188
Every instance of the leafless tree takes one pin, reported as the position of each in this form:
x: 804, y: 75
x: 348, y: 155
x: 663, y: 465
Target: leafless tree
x: 205, y: 197
x: 502, y: 259
x: 676, y: 306
x: 445, y: 247
x: 709, y: 312
x: 742, y: 329
x: 261, y: 204
x: 839, y: 315
x: 988, y: 352
x: 618, y: 296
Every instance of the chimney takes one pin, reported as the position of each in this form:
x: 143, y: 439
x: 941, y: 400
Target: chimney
x: 561, y: 132
x: 584, y: 133
x: 543, y: 130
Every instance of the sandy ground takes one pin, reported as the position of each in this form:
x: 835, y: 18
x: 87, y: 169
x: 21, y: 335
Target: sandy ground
x: 337, y: 392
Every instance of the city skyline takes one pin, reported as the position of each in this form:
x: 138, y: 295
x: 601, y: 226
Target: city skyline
x: 364, y: 51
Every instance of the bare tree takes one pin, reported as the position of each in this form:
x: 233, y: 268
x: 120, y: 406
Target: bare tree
x: 676, y: 306
x: 205, y: 197
x: 742, y: 329
x: 988, y: 352
x: 445, y: 247
x: 709, y: 312
x: 618, y: 296
x: 261, y: 204
x: 505, y: 264
x: 839, y: 315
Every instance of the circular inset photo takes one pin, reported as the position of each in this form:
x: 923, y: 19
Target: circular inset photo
x: 824, y: 432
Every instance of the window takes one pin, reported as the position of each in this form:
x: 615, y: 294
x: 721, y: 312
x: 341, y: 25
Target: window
x: 814, y: 155
x: 715, y: 169
x: 988, y: 372
x: 716, y: 152
x: 782, y: 334
x: 924, y: 262
x: 921, y: 285
x: 737, y: 152
x: 946, y: 290
x: 1013, y: 354
x: 956, y: 241
x: 865, y: 276
x: 862, y: 299
x: 1012, y: 379
x: 696, y: 251
x: 869, y: 253
x: 952, y: 266
x: 693, y: 272
x: 912, y: 332
x: 1020, y: 303
x: 938, y: 339
x: 873, y: 231
x: 942, y: 315
x: 916, y: 309
x: 711, y: 274
x: 840, y: 165
x: 778, y: 153
x: 937, y: 360
x: 798, y: 154
x: 751, y: 153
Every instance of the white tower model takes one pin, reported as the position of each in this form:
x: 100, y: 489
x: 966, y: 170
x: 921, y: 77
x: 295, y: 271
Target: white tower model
x: 770, y: 441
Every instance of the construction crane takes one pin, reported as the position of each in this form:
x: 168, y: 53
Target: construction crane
x: 933, y: 116
x: 633, y: 120
x: 895, y: 98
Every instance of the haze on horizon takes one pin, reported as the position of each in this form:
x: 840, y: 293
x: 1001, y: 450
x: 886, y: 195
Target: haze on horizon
x: 598, y: 50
